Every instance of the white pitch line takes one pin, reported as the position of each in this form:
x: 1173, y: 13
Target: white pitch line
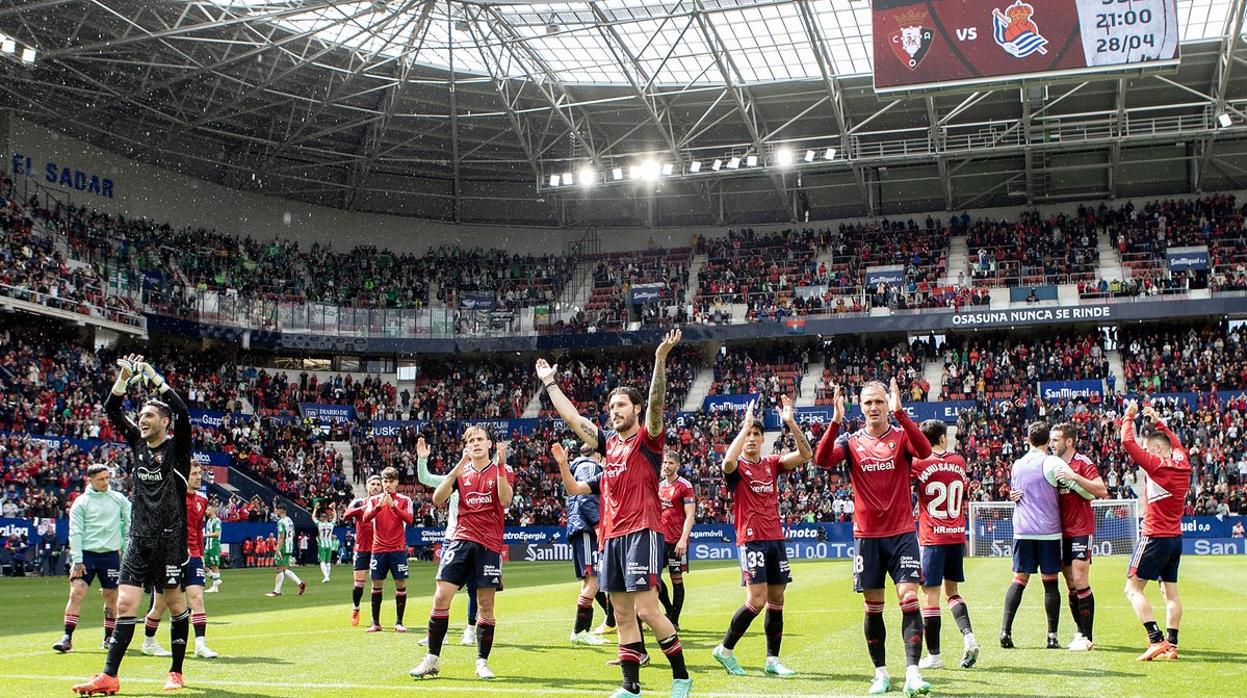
x: 424, y: 686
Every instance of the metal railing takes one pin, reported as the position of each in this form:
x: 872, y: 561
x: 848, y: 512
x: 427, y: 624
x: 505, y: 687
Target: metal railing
x: 76, y: 306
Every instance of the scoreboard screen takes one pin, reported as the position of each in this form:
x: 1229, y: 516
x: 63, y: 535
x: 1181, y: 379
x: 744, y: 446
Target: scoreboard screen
x: 925, y: 44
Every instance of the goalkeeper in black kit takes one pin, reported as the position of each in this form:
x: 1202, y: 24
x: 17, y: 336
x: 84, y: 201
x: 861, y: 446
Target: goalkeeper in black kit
x: 161, y: 447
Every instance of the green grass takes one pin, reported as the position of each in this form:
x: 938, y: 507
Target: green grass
x: 304, y: 646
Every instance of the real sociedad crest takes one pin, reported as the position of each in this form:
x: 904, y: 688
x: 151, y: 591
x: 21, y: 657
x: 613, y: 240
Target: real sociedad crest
x: 1015, y: 31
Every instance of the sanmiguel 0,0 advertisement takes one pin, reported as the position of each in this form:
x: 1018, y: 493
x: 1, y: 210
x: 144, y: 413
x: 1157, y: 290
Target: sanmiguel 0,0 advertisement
x: 923, y: 44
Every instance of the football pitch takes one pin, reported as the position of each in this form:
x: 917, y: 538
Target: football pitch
x: 305, y: 646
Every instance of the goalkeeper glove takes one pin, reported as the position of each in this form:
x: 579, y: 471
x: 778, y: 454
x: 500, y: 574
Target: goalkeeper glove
x: 149, y: 374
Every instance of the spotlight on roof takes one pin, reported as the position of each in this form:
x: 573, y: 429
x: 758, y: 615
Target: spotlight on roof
x: 587, y: 176
x: 829, y: 154
x: 7, y: 44
x: 650, y: 170
x: 809, y: 156
x: 617, y: 174
x: 28, y: 55
x: 634, y: 172
x: 461, y: 25
x: 567, y: 179
x: 733, y: 163
x: 1224, y: 121
x: 552, y: 28
x: 694, y: 166
x: 667, y: 169
x: 554, y: 180
x: 783, y: 156
x: 752, y: 161
x: 716, y: 164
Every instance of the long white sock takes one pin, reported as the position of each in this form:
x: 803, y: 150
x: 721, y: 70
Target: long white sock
x: 280, y: 581
x: 293, y: 577
x: 324, y: 568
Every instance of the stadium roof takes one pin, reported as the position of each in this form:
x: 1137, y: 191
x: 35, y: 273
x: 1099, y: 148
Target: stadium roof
x: 605, y: 42
x: 466, y: 110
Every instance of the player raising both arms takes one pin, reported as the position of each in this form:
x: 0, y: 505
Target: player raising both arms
x: 679, y: 512
x: 363, y: 542
x: 631, y: 514
x: 1080, y: 484
x: 284, y: 553
x: 157, y: 539
x: 753, y: 481
x: 193, y: 577
x: 880, y: 465
x: 390, y: 513
x: 583, y: 514
x: 941, y: 480
x: 212, y: 550
x: 485, y: 489
x: 98, y: 521
x: 1159, y: 551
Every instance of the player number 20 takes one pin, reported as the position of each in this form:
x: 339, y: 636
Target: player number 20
x: 946, y: 499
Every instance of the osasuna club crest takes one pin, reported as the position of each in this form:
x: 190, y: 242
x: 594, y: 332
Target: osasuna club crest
x: 910, y: 44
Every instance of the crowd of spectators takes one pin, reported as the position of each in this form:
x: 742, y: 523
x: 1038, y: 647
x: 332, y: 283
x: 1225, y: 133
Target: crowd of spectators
x: 34, y: 270
x: 1143, y: 234
x: 1035, y: 250
x: 851, y: 362
x: 1193, y: 359
x: 768, y: 371
x: 1002, y: 366
x: 588, y: 378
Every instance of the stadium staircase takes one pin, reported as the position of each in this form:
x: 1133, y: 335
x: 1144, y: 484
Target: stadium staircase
x: 933, y: 374
x: 243, y: 484
x: 348, y: 466
x: 699, y: 390
x: 1115, y: 368
x: 533, y: 409
x: 809, y: 386
x: 576, y: 293
x: 1110, y: 259
x: 958, y: 259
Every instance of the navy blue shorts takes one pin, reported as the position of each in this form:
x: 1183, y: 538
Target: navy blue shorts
x: 676, y: 564
x: 363, y: 560
x: 193, y: 573
x: 763, y: 562
x: 631, y: 562
x: 584, y: 545
x: 1156, y: 559
x: 393, y: 563
x: 465, y: 561
x: 1075, y: 548
x: 106, y: 566
x: 1030, y: 556
x: 878, y: 558
x: 942, y: 563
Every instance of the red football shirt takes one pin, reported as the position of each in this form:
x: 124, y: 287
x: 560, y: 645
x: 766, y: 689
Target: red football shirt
x: 1166, y: 486
x: 755, y: 500
x: 363, y: 529
x: 481, y: 514
x: 390, y: 522
x: 629, y: 482
x: 942, y: 483
x: 880, y: 468
x: 673, y: 496
x: 1077, y: 517
x: 196, y: 510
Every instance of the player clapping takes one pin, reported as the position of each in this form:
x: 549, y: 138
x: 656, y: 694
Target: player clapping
x: 485, y: 489
x: 880, y: 461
